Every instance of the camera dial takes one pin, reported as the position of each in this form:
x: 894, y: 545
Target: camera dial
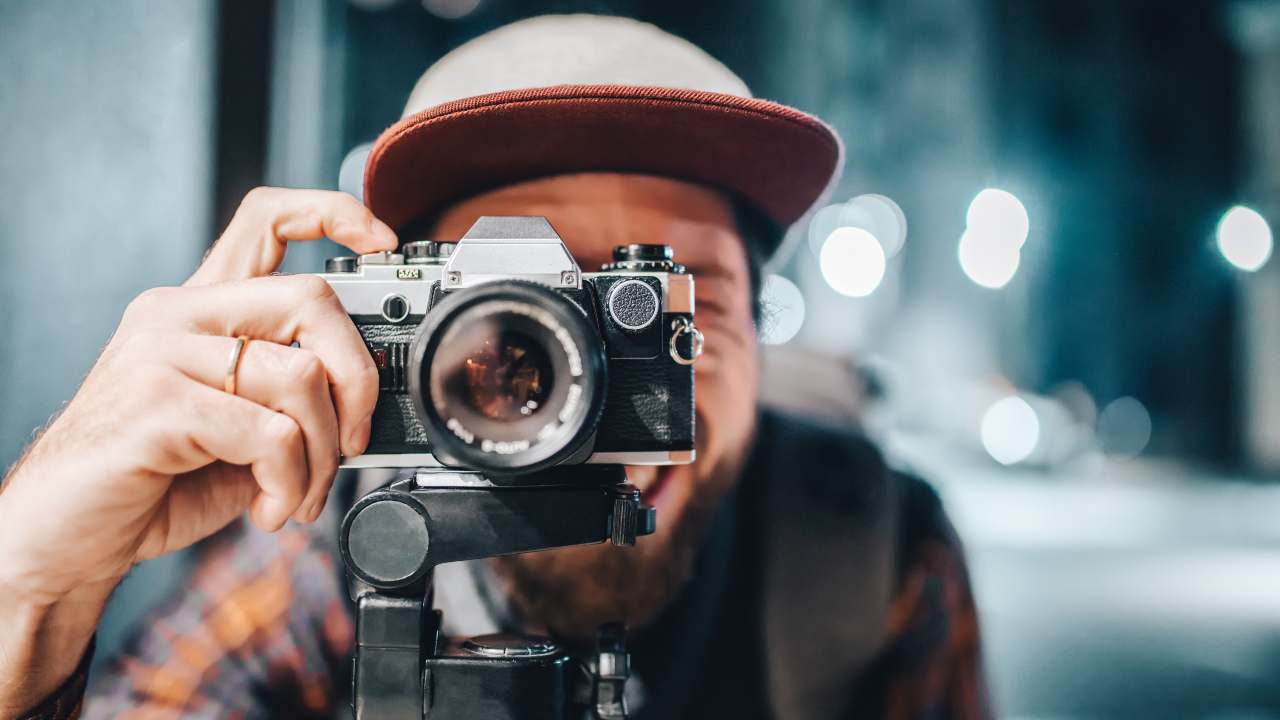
x: 633, y: 304
x: 341, y: 264
x: 643, y: 257
x: 427, y: 252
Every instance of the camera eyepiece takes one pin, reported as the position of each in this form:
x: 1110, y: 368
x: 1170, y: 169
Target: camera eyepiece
x: 508, y: 376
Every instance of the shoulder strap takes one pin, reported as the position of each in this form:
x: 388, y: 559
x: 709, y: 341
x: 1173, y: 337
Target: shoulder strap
x: 829, y: 514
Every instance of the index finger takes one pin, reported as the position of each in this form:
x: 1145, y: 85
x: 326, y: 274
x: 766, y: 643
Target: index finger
x: 268, y: 219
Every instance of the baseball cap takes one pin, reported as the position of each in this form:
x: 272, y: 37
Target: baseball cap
x: 561, y: 94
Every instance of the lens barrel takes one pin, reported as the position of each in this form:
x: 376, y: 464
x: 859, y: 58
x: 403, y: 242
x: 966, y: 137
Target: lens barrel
x: 508, y: 376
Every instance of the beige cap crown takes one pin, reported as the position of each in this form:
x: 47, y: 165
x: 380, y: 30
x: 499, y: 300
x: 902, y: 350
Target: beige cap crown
x: 571, y: 50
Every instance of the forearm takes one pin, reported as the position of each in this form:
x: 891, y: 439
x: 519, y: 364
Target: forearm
x: 42, y: 641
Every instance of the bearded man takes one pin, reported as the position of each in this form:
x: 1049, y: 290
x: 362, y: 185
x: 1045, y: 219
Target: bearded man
x: 792, y: 573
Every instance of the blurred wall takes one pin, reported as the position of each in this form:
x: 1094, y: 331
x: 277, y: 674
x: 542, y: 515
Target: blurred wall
x: 1124, y: 119
x: 1256, y: 26
x: 105, y: 120
x: 306, y: 114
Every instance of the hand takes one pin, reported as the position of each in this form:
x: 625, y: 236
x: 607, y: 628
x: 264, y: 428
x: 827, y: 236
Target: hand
x: 152, y: 455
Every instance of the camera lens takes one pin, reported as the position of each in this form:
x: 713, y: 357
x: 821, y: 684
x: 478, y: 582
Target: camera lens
x: 507, y: 376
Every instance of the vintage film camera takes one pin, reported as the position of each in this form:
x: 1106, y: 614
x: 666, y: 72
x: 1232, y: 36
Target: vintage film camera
x: 513, y: 388
x: 500, y: 353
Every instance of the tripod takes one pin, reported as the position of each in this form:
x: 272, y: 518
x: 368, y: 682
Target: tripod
x: 393, y: 538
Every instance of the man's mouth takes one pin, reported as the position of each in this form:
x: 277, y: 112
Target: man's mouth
x: 652, y: 481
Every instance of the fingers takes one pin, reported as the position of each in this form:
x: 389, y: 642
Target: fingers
x: 282, y: 310
x: 256, y: 239
x: 288, y: 380
x: 214, y: 425
x: 198, y: 504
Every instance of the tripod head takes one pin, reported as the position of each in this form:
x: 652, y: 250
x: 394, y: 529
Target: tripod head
x: 394, y: 537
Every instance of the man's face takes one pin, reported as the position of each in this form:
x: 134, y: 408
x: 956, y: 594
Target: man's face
x: 572, y: 590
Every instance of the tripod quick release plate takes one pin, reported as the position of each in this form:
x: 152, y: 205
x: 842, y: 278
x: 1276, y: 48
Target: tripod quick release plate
x: 394, y: 536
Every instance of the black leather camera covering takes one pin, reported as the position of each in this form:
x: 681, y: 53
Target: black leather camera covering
x: 650, y: 402
x: 396, y: 428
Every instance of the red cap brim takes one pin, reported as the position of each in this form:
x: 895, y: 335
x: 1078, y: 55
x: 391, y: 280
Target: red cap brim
x: 779, y: 159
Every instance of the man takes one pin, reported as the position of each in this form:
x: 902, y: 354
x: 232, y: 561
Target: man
x: 792, y: 574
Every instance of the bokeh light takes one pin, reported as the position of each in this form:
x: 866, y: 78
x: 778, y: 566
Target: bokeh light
x: 998, y: 217
x: 989, y: 264
x: 833, y: 217
x: 1124, y: 428
x: 875, y: 213
x: 1010, y: 430
x: 450, y: 9
x: 1244, y: 238
x: 782, y: 310
x: 996, y: 228
x: 852, y: 261
x: 886, y: 221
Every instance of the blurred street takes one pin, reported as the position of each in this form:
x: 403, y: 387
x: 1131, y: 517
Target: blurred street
x: 1119, y: 589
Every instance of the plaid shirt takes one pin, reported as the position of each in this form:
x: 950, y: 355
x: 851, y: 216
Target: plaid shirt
x: 263, y: 630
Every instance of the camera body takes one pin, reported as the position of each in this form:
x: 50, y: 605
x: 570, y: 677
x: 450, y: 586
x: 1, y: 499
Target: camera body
x: 499, y: 353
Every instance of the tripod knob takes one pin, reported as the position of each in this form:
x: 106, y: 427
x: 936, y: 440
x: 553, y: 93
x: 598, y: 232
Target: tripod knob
x: 630, y: 518
x: 501, y: 645
x: 384, y: 539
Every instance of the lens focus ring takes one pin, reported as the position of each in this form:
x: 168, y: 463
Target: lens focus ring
x: 507, y: 376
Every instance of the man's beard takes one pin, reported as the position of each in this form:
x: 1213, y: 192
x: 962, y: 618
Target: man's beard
x: 570, y: 592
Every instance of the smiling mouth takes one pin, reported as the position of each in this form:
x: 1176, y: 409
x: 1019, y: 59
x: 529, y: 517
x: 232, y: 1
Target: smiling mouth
x: 653, y: 485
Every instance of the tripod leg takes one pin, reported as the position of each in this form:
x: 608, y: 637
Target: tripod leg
x: 612, y: 668
x: 392, y: 635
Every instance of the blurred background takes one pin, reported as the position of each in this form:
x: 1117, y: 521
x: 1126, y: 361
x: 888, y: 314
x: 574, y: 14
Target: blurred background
x: 1044, y: 282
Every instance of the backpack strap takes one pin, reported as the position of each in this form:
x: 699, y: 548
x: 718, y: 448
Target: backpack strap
x: 829, y: 514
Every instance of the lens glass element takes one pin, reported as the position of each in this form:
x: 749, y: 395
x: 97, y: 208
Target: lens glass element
x: 509, y: 377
